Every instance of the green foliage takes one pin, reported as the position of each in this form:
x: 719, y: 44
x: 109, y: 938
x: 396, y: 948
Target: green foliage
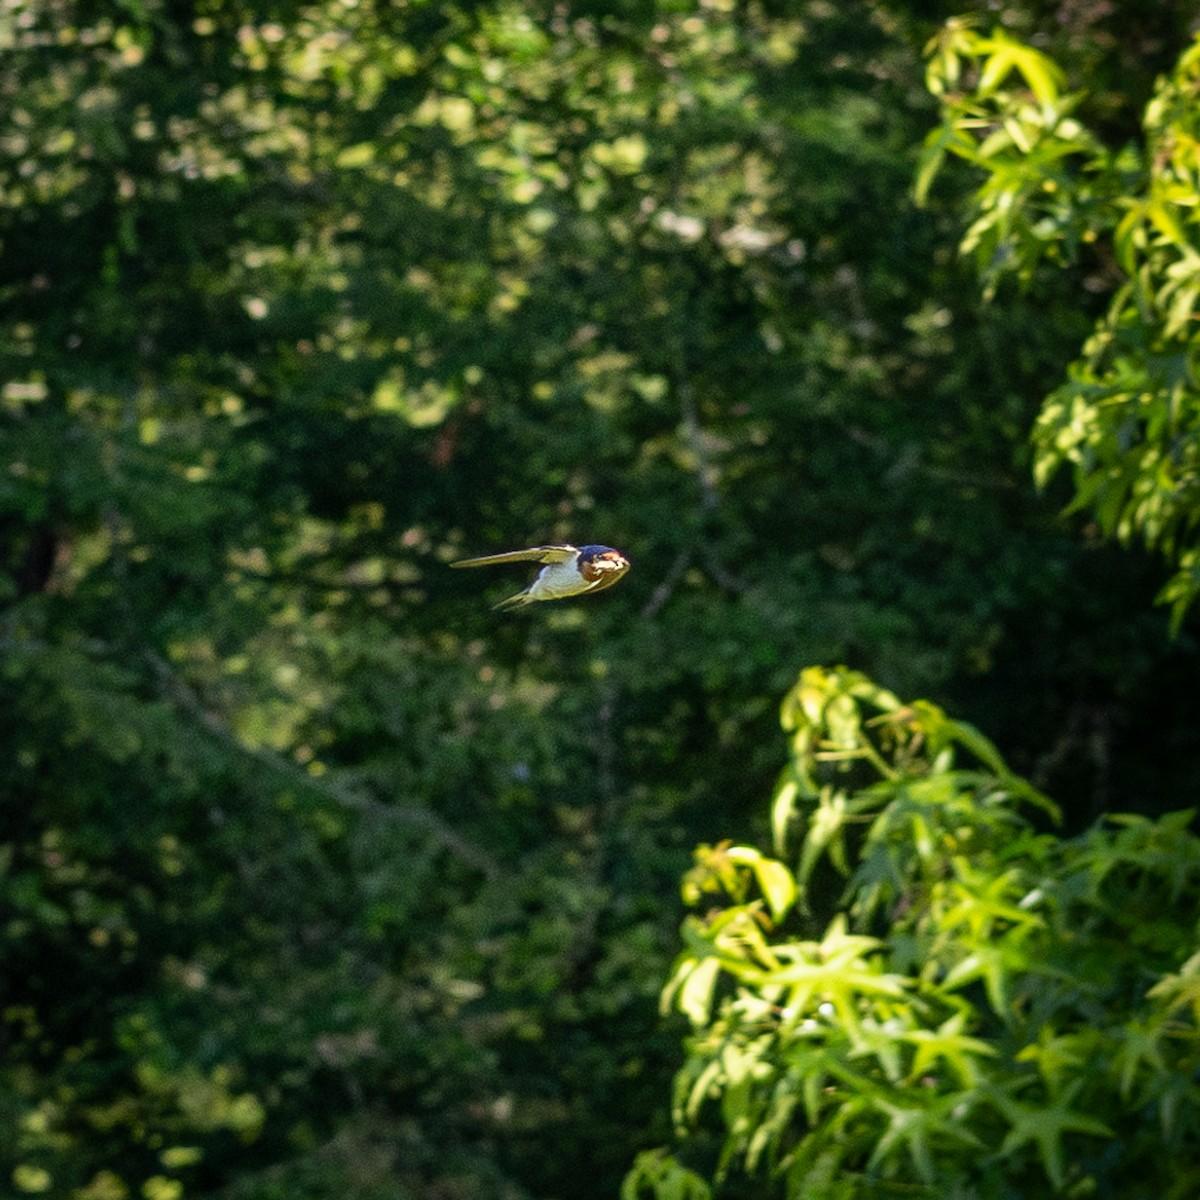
x: 987, y: 1009
x: 1127, y: 421
x: 665, y: 1178
x: 319, y: 879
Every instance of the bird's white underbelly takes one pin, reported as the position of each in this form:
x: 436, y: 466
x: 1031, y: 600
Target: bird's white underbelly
x: 556, y: 580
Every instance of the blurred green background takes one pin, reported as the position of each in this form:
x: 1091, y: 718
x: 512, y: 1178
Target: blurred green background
x: 319, y: 878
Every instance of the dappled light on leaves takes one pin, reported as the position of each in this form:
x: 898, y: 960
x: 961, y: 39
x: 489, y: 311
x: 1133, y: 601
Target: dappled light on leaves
x: 982, y: 1007
x: 321, y: 879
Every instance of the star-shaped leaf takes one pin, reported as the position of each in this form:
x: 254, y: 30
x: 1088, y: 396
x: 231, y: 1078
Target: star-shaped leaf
x: 915, y: 1125
x: 1044, y: 1127
x: 1139, y: 1043
x: 948, y: 1042
x: 1182, y: 990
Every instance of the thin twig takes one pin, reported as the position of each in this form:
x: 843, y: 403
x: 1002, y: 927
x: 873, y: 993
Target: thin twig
x: 662, y: 593
x: 185, y: 699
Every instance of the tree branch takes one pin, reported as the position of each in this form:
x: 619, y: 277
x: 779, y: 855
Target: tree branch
x: 186, y: 700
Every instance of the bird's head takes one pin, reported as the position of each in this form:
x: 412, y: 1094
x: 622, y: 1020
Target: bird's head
x: 596, y: 562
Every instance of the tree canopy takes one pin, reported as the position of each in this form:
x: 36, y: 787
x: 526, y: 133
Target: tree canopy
x: 321, y: 879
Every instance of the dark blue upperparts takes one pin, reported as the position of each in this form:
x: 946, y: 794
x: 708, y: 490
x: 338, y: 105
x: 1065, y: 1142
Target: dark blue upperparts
x: 587, y: 553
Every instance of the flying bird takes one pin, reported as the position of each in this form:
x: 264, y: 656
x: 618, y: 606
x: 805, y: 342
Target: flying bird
x: 569, y: 571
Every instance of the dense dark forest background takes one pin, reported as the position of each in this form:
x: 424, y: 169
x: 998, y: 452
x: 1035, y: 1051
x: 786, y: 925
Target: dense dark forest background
x: 322, y: 880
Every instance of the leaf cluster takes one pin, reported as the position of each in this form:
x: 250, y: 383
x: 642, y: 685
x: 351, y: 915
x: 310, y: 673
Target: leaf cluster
x: 986, y: 1009
x: 1126, y: 420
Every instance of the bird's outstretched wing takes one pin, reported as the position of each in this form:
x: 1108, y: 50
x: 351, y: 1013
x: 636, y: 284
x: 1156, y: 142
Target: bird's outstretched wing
x: 541, y: 554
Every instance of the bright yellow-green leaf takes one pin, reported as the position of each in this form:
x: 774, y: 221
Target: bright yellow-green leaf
x: 1164, y: 220
x: 776, y: 881
x: 694, y: 997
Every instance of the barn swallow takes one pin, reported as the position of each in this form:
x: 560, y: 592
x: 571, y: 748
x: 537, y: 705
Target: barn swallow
x: 569, y: 571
